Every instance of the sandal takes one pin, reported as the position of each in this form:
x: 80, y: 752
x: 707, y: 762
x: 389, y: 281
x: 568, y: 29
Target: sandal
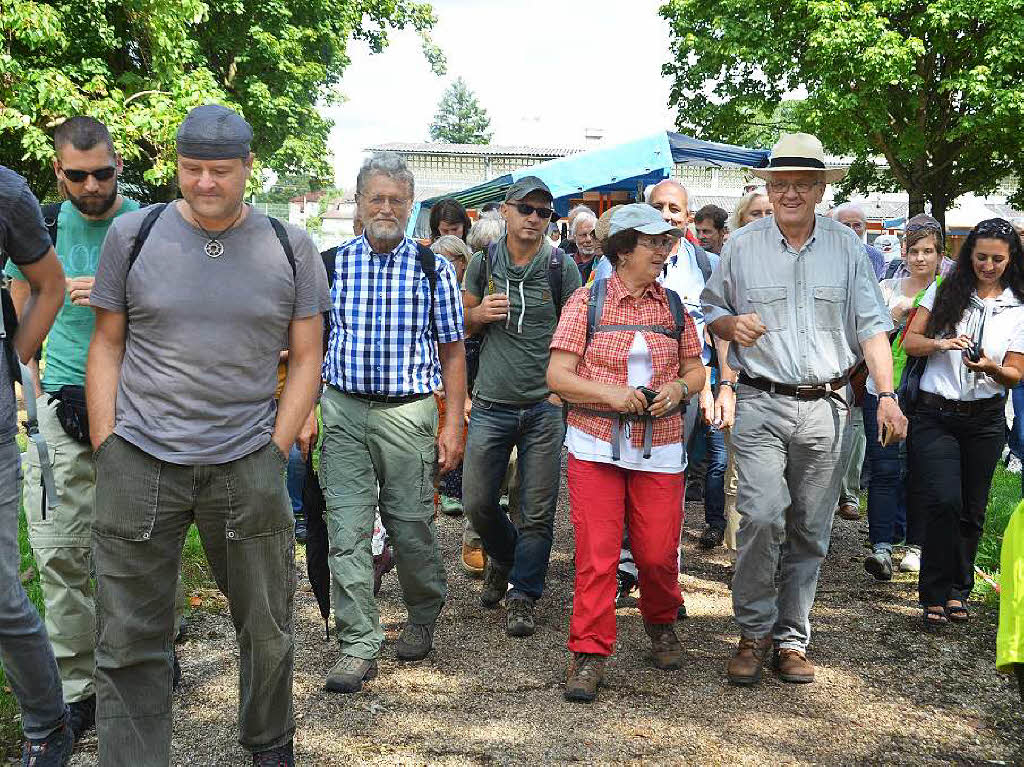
x: 934, y: 618
x: 958, y: 613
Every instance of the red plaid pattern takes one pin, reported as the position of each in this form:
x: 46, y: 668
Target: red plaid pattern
x: 606, y: 358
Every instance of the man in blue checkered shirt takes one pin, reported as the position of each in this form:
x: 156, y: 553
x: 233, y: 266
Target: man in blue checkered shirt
x: 396, y: 337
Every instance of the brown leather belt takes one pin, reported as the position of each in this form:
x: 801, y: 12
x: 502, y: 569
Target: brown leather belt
x: 387, y: 399
x: 808, y: 391
x: 960, y: 407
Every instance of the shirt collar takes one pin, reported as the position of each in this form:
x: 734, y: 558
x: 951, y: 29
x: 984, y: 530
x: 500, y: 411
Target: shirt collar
x: 617, y: 290
x: 1005, y: 299
x: 784, y: 243
x: 368, y: 249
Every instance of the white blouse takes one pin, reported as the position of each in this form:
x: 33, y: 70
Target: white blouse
x: 947, y: 376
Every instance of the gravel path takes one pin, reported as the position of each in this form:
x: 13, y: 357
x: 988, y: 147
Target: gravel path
x: 887, y: 693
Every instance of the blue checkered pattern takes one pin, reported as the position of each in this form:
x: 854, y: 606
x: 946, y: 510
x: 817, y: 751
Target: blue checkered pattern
x: 382, y: 337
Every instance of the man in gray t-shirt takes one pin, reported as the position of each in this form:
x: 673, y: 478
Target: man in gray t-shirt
x: 180, y: 386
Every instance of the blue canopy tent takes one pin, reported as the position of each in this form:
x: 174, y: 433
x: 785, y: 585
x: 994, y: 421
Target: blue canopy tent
x: 624, y: 167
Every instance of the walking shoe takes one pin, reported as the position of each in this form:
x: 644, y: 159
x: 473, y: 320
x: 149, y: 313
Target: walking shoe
x: 281, y: 756
x: 82, y: 716
x: 849, y: 511
x: 52, y: 751
x: 175, y: 671
x: 300, y: 530
x: 911, y: 562
x: 451, y: 507
x: 712, y: 537
x: 416, y: 641
x: 793, y: 666
x: 879, y: 564
x: 519, y: 615
x: 746, y: 665
x: 665, y: 648
x: 382, y: 564
x: 586, y: 672
x: 473, y: 560
x: 349, y: 673
x: 627, y: 582
x: 495, y: 583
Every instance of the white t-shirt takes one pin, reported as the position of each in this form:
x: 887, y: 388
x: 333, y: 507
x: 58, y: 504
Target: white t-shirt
x: 665, y: 459
x: 946, y: 375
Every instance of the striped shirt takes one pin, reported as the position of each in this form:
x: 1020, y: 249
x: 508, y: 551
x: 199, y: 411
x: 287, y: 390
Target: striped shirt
x: 383, y: 338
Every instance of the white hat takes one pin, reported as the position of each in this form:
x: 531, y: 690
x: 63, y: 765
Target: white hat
x: 799, y: 151
x: 888, y: 244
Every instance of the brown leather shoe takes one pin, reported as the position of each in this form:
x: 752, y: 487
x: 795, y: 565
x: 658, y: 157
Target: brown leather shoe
x: 746, y: 665
x: 850, y: 511
x: 793, y: 666
x: 586, y: 672
x: 665, y: 647
x: 473, y: 561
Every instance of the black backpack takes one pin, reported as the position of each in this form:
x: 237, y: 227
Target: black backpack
x: 554, y: 275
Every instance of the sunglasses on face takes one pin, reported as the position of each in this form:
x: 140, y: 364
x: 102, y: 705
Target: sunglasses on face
x: 526, y: 210
x: 78, y: 176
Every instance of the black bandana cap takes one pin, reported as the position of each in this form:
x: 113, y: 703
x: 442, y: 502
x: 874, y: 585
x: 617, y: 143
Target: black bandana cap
x: 214, y: 132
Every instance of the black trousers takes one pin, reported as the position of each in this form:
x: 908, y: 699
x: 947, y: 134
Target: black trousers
x: 952, y: 459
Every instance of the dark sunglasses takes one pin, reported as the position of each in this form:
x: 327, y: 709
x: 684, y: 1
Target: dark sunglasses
x: 526, y: 210
x: 997, y: 227
x: 100, y: 174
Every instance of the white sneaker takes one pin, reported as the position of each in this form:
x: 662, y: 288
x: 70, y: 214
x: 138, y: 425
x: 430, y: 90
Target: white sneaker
x: 911, y: 562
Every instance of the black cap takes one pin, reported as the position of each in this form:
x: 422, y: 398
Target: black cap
x: 214, y: 132
x: 526, y: 186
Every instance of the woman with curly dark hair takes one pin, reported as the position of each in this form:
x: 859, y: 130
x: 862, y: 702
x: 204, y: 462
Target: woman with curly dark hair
x: 449, y: 217
x: 971, y: 329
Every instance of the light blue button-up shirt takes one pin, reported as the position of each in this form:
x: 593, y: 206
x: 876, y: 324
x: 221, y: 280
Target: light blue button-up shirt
x: 819, y: 303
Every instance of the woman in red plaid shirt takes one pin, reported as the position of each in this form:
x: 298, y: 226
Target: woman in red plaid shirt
x: 626, y: 455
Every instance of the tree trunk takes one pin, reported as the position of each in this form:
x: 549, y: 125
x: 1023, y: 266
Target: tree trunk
x: 940, y: 203
x: 917, y: 197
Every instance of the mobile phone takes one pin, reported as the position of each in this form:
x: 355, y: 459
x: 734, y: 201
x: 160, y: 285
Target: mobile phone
x: 650, y: 394
x: 973, y: 353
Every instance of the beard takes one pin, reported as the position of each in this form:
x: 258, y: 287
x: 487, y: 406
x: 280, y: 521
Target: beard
x: 387, y: 233
x: 92, y: 204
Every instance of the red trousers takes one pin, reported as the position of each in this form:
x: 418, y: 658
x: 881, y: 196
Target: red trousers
x: 602, y: 497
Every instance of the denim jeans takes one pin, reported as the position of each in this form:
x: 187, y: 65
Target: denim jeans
x: 714, y: 479
x: 24, y: 648
x: 296, y: 479
x: 888, y: 521
x: 1016, y: 436
x: 537, y: 432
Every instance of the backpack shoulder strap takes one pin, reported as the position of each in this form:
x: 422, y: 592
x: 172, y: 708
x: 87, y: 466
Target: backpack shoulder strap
x: 428, y: 263
x: 595, y: 306
x: 490, y: 256
x: 703, y: 262
x: 51, y: 213
x: 675, y: 305
x: 144, y: 229
x: 555, y: 278
x: 286, y: 244
x: 330, y: 259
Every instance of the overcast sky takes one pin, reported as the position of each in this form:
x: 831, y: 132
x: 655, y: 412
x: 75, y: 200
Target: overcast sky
x: 545, y: 71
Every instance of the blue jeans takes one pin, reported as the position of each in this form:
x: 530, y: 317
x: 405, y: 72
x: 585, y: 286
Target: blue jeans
x: 24, y: 647
x: 537, y: 431
x: 887, y: 494
x: 714, y: 479
x: 296, y: 479
x: 1016, y: 436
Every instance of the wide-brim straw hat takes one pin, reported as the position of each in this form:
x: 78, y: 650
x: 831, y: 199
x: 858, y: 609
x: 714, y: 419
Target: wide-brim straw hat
x: 799, y: 151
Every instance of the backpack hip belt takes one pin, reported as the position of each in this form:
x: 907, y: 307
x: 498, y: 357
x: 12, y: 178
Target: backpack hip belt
x: 621, y: 421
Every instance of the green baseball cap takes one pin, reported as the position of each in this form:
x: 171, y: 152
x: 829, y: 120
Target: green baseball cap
x: 526, y: 186
x: 643, y: 218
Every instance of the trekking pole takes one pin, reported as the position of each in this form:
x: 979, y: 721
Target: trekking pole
x: 987, y: 578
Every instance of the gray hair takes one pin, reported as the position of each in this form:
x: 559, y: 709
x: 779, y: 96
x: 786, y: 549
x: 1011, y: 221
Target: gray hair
x: 587, y: 215
x: 741, y: 207
x: 649, y: 191
x: 485, y: 230
x: 849, y: 207
x: 579, y: 210
x: 388, y: 164
x: 451, y: 246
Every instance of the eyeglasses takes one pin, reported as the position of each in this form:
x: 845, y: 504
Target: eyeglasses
x: 526, y: 210
x: 656, y: 243
x: 781, y: 187
x: 380, y: 200
x: 78, y: 176
x: 996, y: 227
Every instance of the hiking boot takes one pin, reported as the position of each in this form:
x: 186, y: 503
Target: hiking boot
x: 383, y: 563
x: 879, y: 564
x: 82, y: 716
x: 712, y: 538
x: 586, y: 672
x: 281, y: 756
x: 519, y: 615
x: 627, y: 583
x: 175, y: 671
x: 793, y: 666
x: 451, y: 507
x: 850, y: 511
x: 473, y: 560
x: 495, y: 583
x: 746, y: 665
x: 349, y: 673
x: 416, y: 641
x: 911, y: 562
x: 665, y: 648
x: 52, y: 751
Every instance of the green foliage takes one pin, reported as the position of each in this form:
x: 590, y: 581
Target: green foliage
x: 933, y: 87
x: 1002, y: 501
x: 288, y: 186
x: 140, y: 65
x: 460, y: 119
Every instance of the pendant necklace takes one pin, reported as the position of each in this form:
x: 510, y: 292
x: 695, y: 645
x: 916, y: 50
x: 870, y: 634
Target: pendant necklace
x: 214, y: 248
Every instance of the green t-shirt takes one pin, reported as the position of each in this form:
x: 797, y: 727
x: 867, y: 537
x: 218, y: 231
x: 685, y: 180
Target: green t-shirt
x: 78, y: 249
x: 514, y: 353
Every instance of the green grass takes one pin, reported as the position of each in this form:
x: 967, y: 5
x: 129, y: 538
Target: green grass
x: 1003, y: 499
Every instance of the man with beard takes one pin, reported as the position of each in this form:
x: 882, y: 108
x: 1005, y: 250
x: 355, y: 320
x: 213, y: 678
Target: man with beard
x: 194, y: 300
x: 582, y: 233
x: 396, y: 337
x: 87, y: 168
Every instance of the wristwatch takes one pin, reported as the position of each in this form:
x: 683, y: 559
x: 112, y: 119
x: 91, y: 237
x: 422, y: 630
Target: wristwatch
x: 730, y: 384
x: 890, y: 394
x: 686, y: 389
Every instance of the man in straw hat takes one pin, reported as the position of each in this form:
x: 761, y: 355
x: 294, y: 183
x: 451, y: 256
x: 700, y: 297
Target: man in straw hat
x: 798, y: 298
x: 194, y: 300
